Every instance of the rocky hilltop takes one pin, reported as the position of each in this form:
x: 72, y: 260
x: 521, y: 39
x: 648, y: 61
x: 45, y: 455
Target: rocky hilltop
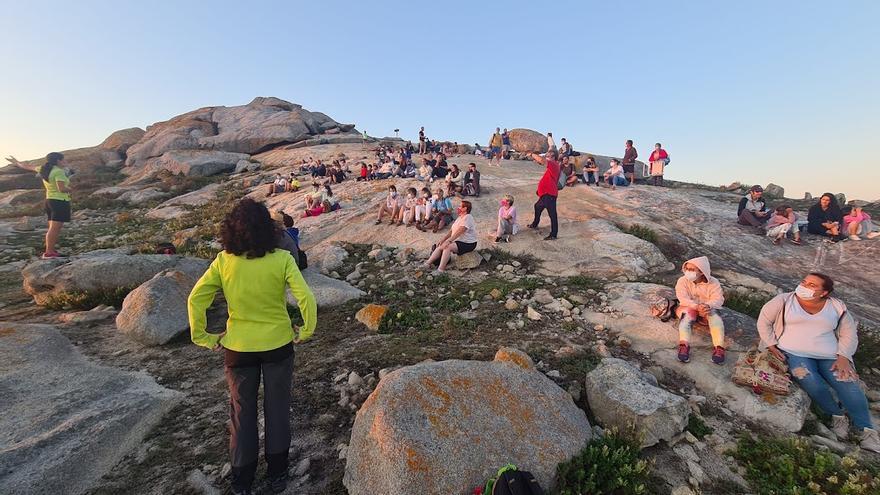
x: 524, y: 352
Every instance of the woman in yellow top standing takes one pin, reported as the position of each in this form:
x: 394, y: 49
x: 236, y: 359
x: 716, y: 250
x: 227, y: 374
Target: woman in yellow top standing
x: 253, y: 275
x: 57, y: 185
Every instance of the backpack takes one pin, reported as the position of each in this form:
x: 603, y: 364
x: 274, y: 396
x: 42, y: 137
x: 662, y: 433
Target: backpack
x: 302, y: 261
x: 510, y: 481
x: 664, y: 309
x: 762, y: 371
x: 166, y: 248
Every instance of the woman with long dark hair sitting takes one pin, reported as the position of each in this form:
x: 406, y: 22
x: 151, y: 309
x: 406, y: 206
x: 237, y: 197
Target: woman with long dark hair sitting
x: 57, y: 206
x: 824, y: 218
x: 253, y: 275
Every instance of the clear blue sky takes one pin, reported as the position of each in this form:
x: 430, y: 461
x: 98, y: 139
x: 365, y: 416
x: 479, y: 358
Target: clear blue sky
x: 756, y: 91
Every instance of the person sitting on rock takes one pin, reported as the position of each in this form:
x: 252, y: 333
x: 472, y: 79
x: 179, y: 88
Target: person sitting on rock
x: 320, y: 170
x: 568, y: 171
x: 407, y: 214
x: 314, y: 198
x: 391, y: 205
x: 409, y: 171
x: 328, y: 203
x: 782, y: 223
x: 590, y: 173
x: 424, y: 172
x: 365, y: 171
x: 699, y: 299
x: 440, y: 170
x: 337, y: 175
x: 293, y: 183
x: 615, y: 175
x: 424, y: 204
x: 285, y: 240
x: 507, y: 225
x: 385, y: 170
x: 470, y: 185
x: 441, y: 214
x: 278, y: 186
x: 856, y: 222
x: 461, y: 239
x: 825, y: 218
x: 752, y: 209
x: 565, y: 149
x: 259, y: 339
x: 452, y: 179
x: 289, y: 229
x: 816, y: 335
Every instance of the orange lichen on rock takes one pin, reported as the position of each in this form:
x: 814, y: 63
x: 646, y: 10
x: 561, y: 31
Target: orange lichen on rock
x: 415, y: 461
x: 370, y: 315
x: 515, y: 356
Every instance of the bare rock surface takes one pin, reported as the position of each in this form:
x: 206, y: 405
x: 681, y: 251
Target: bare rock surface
x: 328, y: 291
x: 60, y: 435
x: 156, y: 312
x: 99, y: 270
x: 444, y: 427
x: 196, y: 163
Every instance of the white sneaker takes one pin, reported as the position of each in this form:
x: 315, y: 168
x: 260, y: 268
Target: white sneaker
x: 873, y: 235
x: 870, y: 440
x: 840, y: 427
x: 855, y: 238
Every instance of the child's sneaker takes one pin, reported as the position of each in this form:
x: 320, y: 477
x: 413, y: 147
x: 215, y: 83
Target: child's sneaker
x: 855, y: 238
x: 718, y: 355
x: 684, y: 352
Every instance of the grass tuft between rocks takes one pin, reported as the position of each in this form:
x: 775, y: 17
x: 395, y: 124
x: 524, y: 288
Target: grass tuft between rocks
x: 85, y: 300
x: 747, y: 304
x: 610, y: 464
x: 776, y: 465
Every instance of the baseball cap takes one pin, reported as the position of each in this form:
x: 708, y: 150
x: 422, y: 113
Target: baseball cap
x: 757, y: 188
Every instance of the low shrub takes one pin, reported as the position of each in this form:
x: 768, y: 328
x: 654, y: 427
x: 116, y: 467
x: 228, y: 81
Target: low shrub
x: 401, y: 321
x: 642, y: 232
x: 698, y: 427
x: 610, y: 464
x: 868, y: 353
x: 583, y: 282
x: 85, y: 300
x: 776, y: 466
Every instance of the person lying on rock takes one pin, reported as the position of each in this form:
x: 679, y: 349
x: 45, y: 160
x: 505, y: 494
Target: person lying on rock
x: 461, y: 239
x: 699, y: 299
x: 615, y: 175
x: 392, y: 205
x: 824, y: 218
x: 782, y: 223
x: 507, y: 226
x: 590, y: 171
x: 259, y: 338
x: 856, y: 222
x: 816, y: 335
x: 441, y: 213
x: 752, y: 209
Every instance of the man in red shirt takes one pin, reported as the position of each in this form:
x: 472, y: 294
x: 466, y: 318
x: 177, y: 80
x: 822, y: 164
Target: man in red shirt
x: 548, y: 190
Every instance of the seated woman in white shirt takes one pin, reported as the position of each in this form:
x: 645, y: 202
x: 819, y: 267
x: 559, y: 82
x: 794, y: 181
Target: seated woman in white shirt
x: 615, y: 175
x: 461, y: 239
x: 817, y: 336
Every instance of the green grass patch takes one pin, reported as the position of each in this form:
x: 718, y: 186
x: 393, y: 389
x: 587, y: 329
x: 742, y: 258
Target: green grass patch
x: 584, y: 282
x: 792, y: 466
x: 641, y: 231
x: 577, y: 366
x: 868, y: 353
x: 610, y: 464
x: 747, y: 304
x: 85, y: 300
x: 698, y: 427
x: 500, y: 256
x: 404, y: 320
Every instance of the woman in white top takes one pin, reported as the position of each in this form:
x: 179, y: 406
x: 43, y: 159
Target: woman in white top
x: 461, y: 239
x: 817, y: 336
x: 615, y: 175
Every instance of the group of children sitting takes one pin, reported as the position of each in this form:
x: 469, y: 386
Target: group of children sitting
x: 420, y: 209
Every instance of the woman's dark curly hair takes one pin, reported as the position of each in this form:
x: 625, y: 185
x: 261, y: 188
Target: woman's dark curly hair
x: 249, y: 229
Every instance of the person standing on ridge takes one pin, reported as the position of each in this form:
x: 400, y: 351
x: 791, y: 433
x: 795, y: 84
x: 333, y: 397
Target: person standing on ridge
x: 422, y: 141
x: 495, y: 143
x: 548, y: 190
x: 57, y: 206
x: 505, y: 145
x: 629, y: 161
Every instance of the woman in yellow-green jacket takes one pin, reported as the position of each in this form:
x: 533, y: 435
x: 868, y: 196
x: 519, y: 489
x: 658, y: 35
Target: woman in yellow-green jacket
x: 253, y: 275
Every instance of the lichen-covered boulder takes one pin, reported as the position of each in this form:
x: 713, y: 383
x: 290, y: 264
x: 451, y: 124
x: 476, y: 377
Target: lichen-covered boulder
x: 371, y: 315
x: 444, y: 427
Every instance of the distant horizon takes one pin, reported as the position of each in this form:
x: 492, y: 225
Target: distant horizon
x: 794, y: 104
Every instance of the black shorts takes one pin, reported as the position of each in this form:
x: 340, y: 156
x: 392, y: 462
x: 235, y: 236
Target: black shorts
x: 57, y: 210
x: 629, y: 169
x: 465, y: 247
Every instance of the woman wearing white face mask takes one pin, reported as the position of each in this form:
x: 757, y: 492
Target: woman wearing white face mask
x: 699, y: 298
x: 817, y: 336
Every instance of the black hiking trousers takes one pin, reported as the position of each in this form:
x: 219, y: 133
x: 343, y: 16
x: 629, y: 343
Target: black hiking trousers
x: 547, y: 202
x: 243, y: 370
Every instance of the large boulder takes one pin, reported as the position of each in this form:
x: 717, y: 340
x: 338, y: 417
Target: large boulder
x: 528, y: 141
x: 102, y: 270
x: 623, y: 397
x: 66, y: 420
x: 17, y: 197
x: 10, y: 181
x: 328, y: 291
x: 123, y: 139
x: 445, y: 427
x: 774, y: 191
x: 138, y: 196
x: 196, y: 163
x: 156, y: 311
x: 258, y: 126
x: 85, y: 160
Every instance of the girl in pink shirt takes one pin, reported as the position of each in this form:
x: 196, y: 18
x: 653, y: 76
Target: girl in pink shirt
x: 858, y: 222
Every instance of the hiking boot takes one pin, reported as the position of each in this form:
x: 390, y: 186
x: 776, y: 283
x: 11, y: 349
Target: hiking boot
x: 684, y: 352
x: 870, y: 440
x: 718, y: 355
x: 497, y: 240
x: 278, y: 484
x: 533, y: 226
x: 550, y: 238
x: 840, y: 427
